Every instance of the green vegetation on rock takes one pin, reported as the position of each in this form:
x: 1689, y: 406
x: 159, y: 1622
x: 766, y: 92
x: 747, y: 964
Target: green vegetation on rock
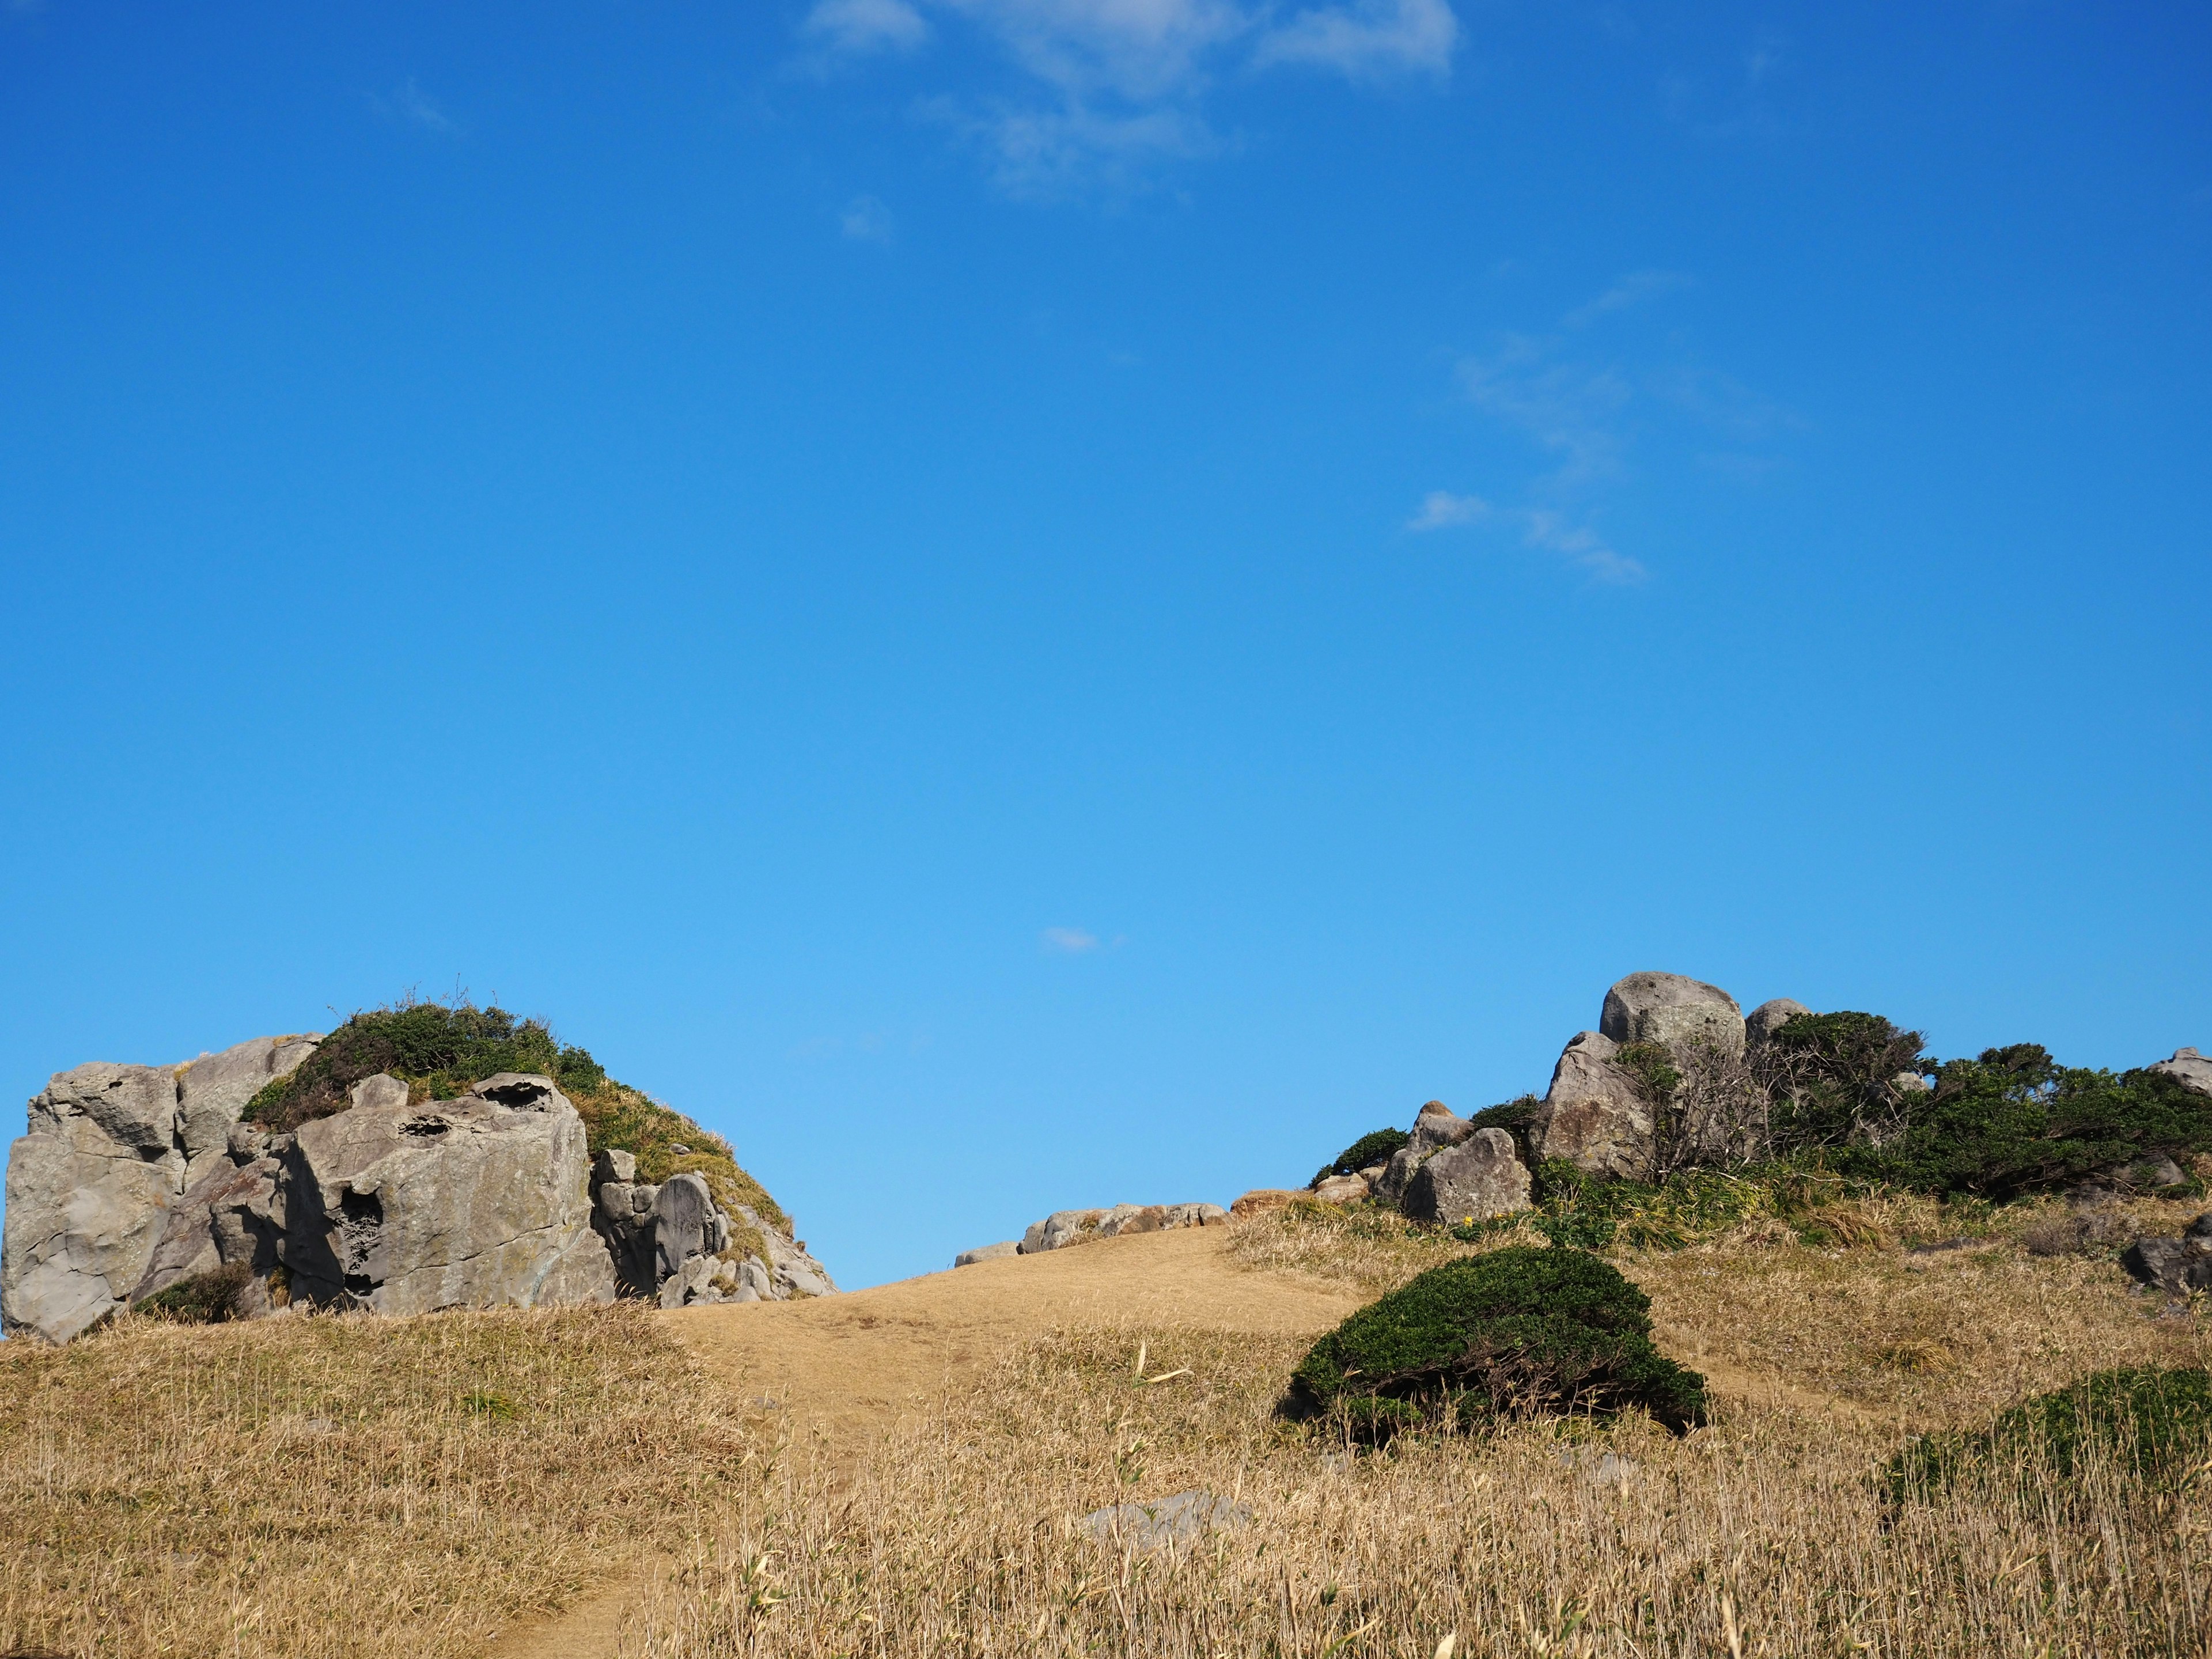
x: 1364, y: 1153
x: 207, y: 1299
x: 2155, y: 1422
x: 440, y: 1050
x: 1524, y: 1331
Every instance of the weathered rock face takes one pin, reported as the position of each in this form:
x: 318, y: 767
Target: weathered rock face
x: 1670, y: 1008
x: 132, y: 1177
x: 478, y: 1203
x: 1593, y: 1115
x: 1435, y: 1126
x: 1760, y: 1024
x: 1064, y: 1227
x: 112, y: 1174
x: 2176, y: 1266
x: 2189, y: 1068
x: 672, y: 1243
x: 1479, y: 1177
x: 1345, y: 1189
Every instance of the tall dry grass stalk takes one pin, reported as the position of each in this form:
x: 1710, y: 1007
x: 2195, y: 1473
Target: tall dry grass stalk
x: 321, y: 1487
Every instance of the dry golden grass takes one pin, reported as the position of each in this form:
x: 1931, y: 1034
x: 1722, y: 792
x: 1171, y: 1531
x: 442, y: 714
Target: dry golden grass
x: 305, y: 1487
x: 1764, y: 1534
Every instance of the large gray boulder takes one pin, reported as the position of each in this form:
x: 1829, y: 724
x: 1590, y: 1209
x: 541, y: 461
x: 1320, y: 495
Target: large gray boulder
x: 1593, y: 1115
x: 213, y: 1089
x: 2189, y: 1068
x: 1669, y: 1008
x: 1436, y: 1126
x: 477, y: 1202
x: 1479, y: 1177
x: 1760, y: 1024
x: 111, y: 1188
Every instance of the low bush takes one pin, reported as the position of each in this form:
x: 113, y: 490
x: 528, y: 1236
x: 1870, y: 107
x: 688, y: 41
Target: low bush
x: 207, y: 1299
x: 2155, y: 1421
x: 445, y: 1048
x: 1364, y: 1153
x: 1833, y: 1078
x: 1518, y: 1332
x: 2012, y: 1120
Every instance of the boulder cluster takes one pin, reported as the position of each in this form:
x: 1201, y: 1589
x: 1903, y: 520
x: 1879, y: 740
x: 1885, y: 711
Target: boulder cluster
x: 133, y: 1179
x: 1064, y: 1227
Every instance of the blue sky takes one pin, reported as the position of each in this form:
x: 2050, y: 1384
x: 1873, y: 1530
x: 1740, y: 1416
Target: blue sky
x: 1028, y: 603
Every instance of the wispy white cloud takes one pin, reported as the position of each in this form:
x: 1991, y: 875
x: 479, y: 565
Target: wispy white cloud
x: 1074, y: 940
x: 1367, y: 40
x: 866, y: 220
x: 1631, y: 291
x: 1590, y: 414
x: 1581, y: 545
x: 865, y: 26
x: 413, y: 106
x: 1115, y: 85
x: 1044, y: 153
x: 1442, y: 510
x: 1570, y: 408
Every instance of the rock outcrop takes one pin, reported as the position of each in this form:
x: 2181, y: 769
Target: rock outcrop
x: 133, y: 1178
x: 119, y: 1163
x: 477, y: 1202
x: 2176, y: 1266
x: 2188, y: 1068
x: 1472, y: 1179
x: 1670, y: 1008
x: 1064, y: 1227
x: 1593, y: 1116
x: 672, y: 1242
x: 1436, y: 1126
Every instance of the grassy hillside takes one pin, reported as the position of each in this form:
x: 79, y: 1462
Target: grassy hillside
x: 308, y: 1487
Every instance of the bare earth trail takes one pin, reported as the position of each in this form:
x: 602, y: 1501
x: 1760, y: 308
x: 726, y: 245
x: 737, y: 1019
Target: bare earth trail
x: 848, y: 1367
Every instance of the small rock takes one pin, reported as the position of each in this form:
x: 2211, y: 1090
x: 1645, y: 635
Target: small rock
x: 2188, y: 1068
x: 613, y: 1165
x: 2176, y: 1266
x: 1261, y: 1200
x: 1479, y: 1178
x: 1343, y: 1189
x: 1760, y: 1024
x: 1163, y: 1523
x: 987, y: 1253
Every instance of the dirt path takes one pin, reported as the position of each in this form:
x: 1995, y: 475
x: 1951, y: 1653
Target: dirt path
x: 848, y: 1367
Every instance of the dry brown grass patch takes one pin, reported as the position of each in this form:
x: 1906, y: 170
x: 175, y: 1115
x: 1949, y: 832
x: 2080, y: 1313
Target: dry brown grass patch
x: 329, y: 1486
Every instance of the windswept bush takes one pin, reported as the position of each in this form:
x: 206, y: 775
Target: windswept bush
x: 1519, y: 1331
x: 1834, y: 1079
x: 2014, y: 1120
x: 1364, y: 1153
x: 2155, y: 1421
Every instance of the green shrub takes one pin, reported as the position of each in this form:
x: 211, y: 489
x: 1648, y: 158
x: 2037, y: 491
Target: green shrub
x: 1364, y: 1153
x: 2014, y: 1120
x: 446, y: 1049
x: 2156, y: 1422
x: 1833, y: 1078
x: 207, y: 1299
x: 1518, y: 1332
